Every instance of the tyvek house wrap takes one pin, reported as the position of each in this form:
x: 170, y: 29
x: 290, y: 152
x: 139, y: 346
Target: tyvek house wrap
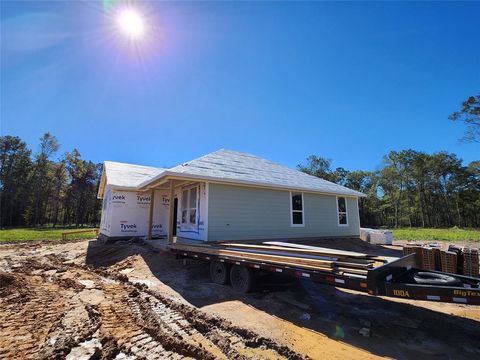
x: 125, y: 213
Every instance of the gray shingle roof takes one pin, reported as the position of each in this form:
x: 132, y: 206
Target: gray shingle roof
x: 128, y: 175
x: 240, y: 167
x: 224, y: 165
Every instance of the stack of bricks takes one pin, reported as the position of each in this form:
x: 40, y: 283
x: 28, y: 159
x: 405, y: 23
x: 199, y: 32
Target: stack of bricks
x: 425, y: 255
x: 412, y: 248
x: 455, y: 260
x: 449, y: 261
x: 457, y: 250
x: 438, y: 258
x: 470, y: 262
x: 428, y: 258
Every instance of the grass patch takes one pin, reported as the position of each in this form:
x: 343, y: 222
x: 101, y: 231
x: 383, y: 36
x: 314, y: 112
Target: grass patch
x: 26, y: 234
x: 453, y: 234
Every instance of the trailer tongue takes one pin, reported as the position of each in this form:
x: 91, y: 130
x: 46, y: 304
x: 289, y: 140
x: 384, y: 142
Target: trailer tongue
x: 376, y: 275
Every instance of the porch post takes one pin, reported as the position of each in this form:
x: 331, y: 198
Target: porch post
x: 150, y: 214
x: 171, y: 223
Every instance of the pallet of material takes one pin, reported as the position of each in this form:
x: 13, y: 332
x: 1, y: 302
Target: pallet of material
x: 413, y: 248
x: 437, y: 251
x: 449, y: 261
x: 470, y: 262
x: 428, y: 255
x: 428, y: 258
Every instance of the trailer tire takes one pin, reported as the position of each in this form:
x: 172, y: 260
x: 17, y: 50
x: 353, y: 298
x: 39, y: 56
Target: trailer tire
x: 429, y: 278
x: 242, y: 279
x: 219, y: 272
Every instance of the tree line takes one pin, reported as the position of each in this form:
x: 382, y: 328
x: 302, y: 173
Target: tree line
x: 411, y: 189
x: 36, y: 190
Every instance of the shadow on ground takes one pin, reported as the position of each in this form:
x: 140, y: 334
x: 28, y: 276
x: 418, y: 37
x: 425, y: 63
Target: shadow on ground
x: 397, y: 329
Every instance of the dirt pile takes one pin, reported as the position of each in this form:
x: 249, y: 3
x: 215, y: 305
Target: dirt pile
x: 12, y: 287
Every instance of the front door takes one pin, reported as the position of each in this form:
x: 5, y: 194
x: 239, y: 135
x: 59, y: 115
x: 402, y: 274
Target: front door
x: 174, y: 221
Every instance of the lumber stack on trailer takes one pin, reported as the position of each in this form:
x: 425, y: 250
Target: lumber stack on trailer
x: 307, y: 257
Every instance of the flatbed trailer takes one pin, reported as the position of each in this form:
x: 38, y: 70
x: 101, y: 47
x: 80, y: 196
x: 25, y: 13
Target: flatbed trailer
x: 397, y: 277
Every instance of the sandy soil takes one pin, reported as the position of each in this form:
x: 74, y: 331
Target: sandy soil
x: 86, y: 299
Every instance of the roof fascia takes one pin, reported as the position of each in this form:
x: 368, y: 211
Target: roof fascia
x: 168, y: 175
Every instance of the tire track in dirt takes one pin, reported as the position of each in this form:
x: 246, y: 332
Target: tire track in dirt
x: 50, y: 313
x: 25, y: 324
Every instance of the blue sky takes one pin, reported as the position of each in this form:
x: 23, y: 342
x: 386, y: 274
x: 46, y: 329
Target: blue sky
x: 347, y: 81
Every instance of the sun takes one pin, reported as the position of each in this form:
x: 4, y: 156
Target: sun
x: 131, y: 23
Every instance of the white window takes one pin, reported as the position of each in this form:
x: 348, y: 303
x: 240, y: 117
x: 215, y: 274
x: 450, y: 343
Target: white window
x: 296, y: 209
x: 342, y: 211
x: 189, y: 206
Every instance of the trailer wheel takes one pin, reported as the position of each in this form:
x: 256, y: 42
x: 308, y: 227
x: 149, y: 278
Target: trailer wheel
x: 242, y: 278
x: 429, y: 278
x: 219, y: 273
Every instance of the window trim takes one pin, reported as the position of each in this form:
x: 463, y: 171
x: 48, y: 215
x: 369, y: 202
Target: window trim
x: 302, y: 211
x: 338, y: 211
x: 188, y: 208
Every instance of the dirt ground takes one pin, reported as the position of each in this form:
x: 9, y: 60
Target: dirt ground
x: 89, y: 300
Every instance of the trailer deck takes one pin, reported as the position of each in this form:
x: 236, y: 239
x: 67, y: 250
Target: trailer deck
x: 238, y: 264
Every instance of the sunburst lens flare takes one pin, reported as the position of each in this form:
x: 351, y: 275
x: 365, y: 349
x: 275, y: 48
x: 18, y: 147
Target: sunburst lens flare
x: 131, y: 23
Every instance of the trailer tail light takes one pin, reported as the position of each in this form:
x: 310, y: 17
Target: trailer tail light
x: 363, y: 285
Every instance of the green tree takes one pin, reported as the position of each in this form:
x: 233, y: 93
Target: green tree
x: 42, y: 177
x: 15, y: 170
x: 469, y: 114
x: 81, y: 203
x: 317, y: 166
